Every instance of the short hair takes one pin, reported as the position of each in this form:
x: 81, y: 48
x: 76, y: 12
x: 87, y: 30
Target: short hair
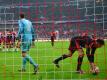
x: 22, y: 15
x: 101, y: 41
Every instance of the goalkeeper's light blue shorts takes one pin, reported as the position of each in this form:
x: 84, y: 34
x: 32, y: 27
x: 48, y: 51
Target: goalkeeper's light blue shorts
x: 26, y: 45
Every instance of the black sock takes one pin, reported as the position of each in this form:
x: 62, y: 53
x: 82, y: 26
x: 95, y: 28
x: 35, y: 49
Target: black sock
x: 90, y: 57
x: 80, y: 59
x: 52, y: 43
x: 61, y: 58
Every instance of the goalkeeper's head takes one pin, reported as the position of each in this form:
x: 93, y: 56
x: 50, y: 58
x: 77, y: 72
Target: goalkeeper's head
x: 22, y: 15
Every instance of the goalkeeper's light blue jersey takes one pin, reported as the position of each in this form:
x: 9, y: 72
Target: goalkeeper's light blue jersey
x: 26, y: 30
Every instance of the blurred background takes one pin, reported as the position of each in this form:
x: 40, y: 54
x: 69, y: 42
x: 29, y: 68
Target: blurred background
x: 66, y: 17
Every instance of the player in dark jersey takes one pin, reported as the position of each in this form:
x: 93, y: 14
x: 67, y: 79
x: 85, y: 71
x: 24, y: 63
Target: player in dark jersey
x: 52, y: 38
x: 8, y: 39
x: 77, y: 44
x: 1, y: 40
x: 5, y: 41
x: 13, y: 40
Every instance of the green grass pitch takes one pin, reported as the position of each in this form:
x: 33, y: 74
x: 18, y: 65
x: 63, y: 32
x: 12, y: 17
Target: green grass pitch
x: 44, y: 54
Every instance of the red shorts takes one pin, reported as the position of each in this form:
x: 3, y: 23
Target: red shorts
x: 6, y: 41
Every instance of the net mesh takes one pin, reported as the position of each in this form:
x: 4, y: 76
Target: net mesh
x: 67, y: 18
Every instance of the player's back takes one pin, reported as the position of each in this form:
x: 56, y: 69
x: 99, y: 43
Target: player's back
x: 82, y: 40
x: 27, y: 29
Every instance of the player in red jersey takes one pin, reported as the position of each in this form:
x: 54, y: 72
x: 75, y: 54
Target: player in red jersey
x: 13, y: 40
x: 1, y: 40
x: 7, y: 40
x: 53, y: 36
x: 4, y: 40
x: 77, y: 43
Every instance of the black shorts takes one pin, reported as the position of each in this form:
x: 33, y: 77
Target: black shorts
x: 52, y: 38
x: 74, y: 45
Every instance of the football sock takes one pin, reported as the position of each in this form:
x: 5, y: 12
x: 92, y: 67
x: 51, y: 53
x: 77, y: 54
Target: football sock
x: 61, y: 58
x: 80, y: 59
x: 24, y: 63
x: 90, y: 58
x: 28, y: 58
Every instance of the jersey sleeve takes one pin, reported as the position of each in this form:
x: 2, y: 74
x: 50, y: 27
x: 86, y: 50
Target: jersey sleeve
x: 20, y: 29
x: 33, y: 32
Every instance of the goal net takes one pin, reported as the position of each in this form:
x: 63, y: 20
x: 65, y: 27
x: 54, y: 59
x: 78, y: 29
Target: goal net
x: 66, y: 18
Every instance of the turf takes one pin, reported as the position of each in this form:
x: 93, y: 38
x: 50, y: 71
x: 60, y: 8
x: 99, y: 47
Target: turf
x: 43, y: 54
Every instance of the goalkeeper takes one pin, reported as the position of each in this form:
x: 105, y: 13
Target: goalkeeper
x: 26, y: 32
